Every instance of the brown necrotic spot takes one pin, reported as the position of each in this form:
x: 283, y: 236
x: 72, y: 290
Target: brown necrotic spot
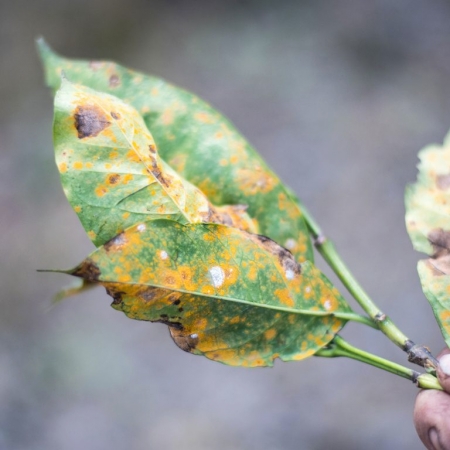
x: 440, y: 240
x: 113, y: 178
x: 114, y: 80
x: 443, y: 182
x: 116, y: 242
x: 115, y: 115
x: 152, y: 148
x: 285, y: 257
x: 116, y: 295
x: 156, y: 171
x: 440, y: 266
x: 186, y: 342
x: 87, y: 270
x: 90, y: 120
x: 166, y: 321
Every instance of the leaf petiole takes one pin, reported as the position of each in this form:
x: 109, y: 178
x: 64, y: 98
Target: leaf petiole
x: 354, y: 317
x: 340, y: 347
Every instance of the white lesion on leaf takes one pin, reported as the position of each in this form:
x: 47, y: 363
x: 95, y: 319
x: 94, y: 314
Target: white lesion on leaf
x: 217, y: 276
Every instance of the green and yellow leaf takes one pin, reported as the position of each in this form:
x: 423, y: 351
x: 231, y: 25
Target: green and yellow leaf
x: 229, y: 295
x: 428, y: 225
x: 111, y: 171
x: 197, y: 142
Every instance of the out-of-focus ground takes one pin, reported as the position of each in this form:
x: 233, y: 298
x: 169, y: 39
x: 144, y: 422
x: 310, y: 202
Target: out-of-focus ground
x: 338, y: 97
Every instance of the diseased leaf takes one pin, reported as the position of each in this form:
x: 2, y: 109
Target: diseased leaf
x: 231, y: 296
x: 435, y: 278
x: 199, y: 143
x: 428, y: 224
x: 112, y: 174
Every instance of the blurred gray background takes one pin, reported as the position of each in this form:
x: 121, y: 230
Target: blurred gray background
x: 338, y: 97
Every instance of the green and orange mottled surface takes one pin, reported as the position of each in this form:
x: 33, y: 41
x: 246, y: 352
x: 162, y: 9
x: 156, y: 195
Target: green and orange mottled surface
x: 229, y: 295
x: 197, y: 142
x: 111, y: 171
x: 428, y: 224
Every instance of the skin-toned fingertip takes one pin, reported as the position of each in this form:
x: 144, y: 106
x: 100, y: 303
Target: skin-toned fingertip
x: 431, y: 419
x: 443, y: 370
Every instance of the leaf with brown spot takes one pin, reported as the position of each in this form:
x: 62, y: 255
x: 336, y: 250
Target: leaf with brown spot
x: 428, y: 224
x: 199, y: 143
x: 226, y: 294
x: 111, y: 171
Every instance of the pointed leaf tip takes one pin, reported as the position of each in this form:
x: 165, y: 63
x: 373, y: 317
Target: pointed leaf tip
x: 44, y: 50
x: 51, y: 63
x: 65, y: 271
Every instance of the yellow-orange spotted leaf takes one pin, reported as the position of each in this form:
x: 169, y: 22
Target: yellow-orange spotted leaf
x: 111, y: 171
x: 229, y: 295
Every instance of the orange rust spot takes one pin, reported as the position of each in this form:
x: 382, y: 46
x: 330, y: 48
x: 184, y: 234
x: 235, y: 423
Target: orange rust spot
x: 337, y: 325
x: 231, y: 274
x: 154, y: 92
x: 303, y: 355
x: 77, y: 209
x: 186, y: 278
x: 89, y: 165
x: 126, y: 215
x: 218, y: 135
x: 204, y: 117
x: 255, y: 180
x: 282, y: 201
x: 108, y: 166
x: 77, y: 165
x: 92, y: 235
x: 114, y: 154
x: 133, y: 156
x: 207, y: 290
x: 445, y: 316
x: 124, y: 278
x: 127, y: 178
x: 253, y: 272
x: 170, y: 280
x: 234, y: 159
x: 270, y: 334
x: 63, y: 167
x: 100, y: 191
x: 201, y: 324
x: 235, y: 320
x: 284, y: 296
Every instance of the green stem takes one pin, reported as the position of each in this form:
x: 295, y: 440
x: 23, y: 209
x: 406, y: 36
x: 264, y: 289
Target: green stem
x: 340, y: 347
x: 416, y: 354
x: 354, y: 317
